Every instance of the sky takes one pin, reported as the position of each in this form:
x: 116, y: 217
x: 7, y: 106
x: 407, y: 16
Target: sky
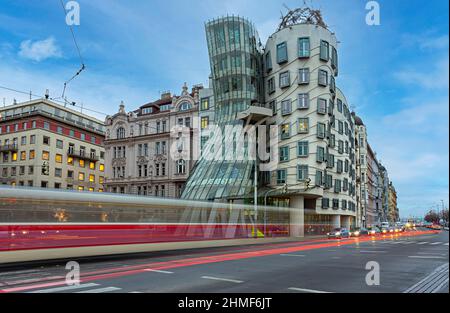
x: 394, y: 75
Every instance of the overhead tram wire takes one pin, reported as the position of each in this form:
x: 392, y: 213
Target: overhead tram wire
x: 52, y: 99
x: 83, y: 67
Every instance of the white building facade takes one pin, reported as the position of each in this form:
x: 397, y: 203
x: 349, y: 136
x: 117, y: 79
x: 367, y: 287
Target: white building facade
x: 150, y: 151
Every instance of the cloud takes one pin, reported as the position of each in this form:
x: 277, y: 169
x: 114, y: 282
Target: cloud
x: 430, y: 77
x: 40, y: 50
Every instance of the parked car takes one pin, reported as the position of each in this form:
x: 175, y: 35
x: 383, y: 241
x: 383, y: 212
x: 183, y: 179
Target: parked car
x: 339, y: 233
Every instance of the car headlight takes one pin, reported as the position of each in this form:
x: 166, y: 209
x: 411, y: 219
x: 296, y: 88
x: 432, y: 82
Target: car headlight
x: 356, y: 233
x: 338, y: 234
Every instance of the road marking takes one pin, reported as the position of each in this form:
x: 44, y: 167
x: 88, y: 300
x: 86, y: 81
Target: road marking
x: 135, y: 292
x: 431, y: 283
x: 308, y: 290
x: 223, y: 279
x: 66, y: 288
x: 431, y: 253
x: 425, y: 257
x: 299, y: 255
x: 446, y: 244
x: 423, y: 243
x: 436, y: 243
x: 157, y: 271
x: 368, y: 251
x: 100, y: 290
x: 336, y: 257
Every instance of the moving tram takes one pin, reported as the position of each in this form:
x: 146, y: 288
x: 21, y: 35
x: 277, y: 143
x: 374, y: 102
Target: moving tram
x: 39, y: 224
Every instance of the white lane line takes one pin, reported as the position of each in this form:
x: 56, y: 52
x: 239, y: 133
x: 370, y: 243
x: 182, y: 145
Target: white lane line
x: 100, y: 290
x: 368, y: 251
x: 425, y: 257
x: 436, y: 243
x: 446, y: 244
x: 135, y: 292
x: 299, y: 255
x: 308, y: 290
x: 423, y: 243
x: 431, y: 253
x: 223, y: 279
x: 66, y: 288
x: 157, y: 271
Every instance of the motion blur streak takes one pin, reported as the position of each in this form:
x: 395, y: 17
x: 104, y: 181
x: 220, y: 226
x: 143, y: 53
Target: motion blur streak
x: 133, y: 270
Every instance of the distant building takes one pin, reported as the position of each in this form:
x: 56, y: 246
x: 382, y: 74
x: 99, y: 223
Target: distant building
x: 362, y: 189
x: 44, y: 144
x: 394, y: 214
x: 374, y: 206
x: 148, y: 151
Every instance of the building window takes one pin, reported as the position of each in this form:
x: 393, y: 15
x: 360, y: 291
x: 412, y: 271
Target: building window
x: 323, y: 78
x: 321, y: 106
x: 319, y: 178
x: 181, y: 167
x: 303, y: 125
x: 81, y: 176
x: 285, y: 131
x: 286, y: 107
x: 23, y: 140
x: 303, y: 76
x: 46, y: 140
x: 92, y: 178
x: 325, y: 203
x: 303, y: 149
x: 340, y: 166
x: 102, y: 168
x: 58, y: 172
x: 285, y: 79
x: 335, y: 204
x: 320, y: 157
x: 284, y: 154
x: 58, y: 158
x: 282, y: 54
x: 81, y: 163
x: 45, y: 155
x: 204, y: 122
x: 324, y: 50
x: 59, y: 130
x: 23, y: 155
x: 321, y: 130
x: 304, y: 48
x: 120, y: 133
x: 92, y: 165
x: 32, y: 139
x: 339, y: 105
x: 302, y: 172
x: 32, y: 154
x: 273, y: 106
x: 268, y: 62
x: 46, y: 125
x: 204, y: 104
x: 334, y: 59
x: 337, y: 186
x: 146, y: 111
x: 303, y: 101
x: 340, y: 147
x: 281, y: 177
x: 185, y: 106
x: 271, y: 85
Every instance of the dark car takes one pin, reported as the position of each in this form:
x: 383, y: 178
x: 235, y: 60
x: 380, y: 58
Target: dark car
x: 357, y: 232
x: 339, y: 233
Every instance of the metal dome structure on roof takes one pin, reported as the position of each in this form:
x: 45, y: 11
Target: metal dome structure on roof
x: 301, y: 16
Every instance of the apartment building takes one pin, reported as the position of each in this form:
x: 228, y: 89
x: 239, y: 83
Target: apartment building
x: 44, y: 144
x: 150, y: 151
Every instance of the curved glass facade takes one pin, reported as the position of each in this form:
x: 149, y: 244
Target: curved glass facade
x: 235, y: 60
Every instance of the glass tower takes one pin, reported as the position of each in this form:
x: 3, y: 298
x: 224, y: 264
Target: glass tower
x: 236, y: 66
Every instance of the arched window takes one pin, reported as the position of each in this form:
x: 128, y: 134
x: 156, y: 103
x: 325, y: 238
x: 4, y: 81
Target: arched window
x: 181, y: 167
x: 185, y: 106
x: 120, y: 133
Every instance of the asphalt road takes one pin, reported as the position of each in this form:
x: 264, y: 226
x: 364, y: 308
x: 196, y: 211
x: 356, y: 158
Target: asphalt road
x: 406, y: 264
